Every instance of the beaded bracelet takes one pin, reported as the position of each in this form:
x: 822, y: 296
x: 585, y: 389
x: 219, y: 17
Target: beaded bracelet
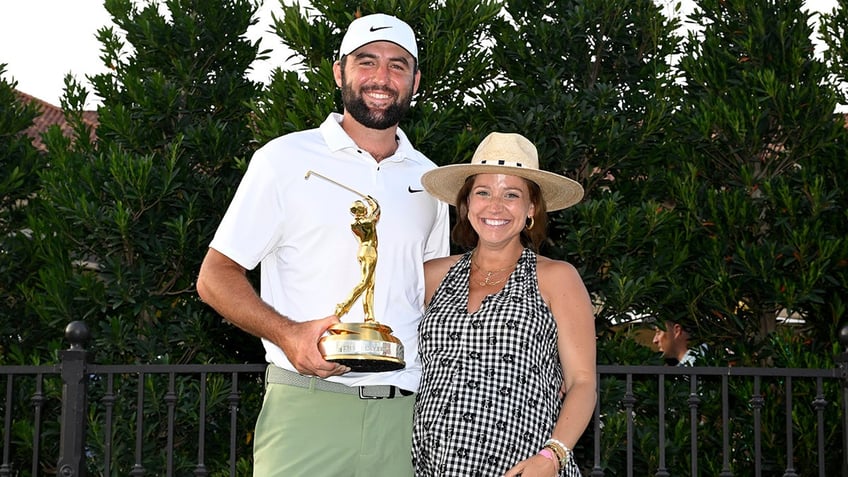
x: 558, y: 454
x: 561, y: 450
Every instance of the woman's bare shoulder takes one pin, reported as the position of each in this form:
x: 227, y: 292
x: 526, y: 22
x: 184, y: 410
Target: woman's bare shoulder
x: 543, y: 262
x: 434, y: 272
x: 441, y: 264
x: 556, y: 271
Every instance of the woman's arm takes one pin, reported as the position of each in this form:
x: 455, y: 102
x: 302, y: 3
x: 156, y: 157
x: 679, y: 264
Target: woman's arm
x: 569, y: 301
x: 564, y: 292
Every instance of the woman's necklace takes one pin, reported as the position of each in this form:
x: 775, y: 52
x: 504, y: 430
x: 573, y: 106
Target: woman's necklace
x: 489, y: 279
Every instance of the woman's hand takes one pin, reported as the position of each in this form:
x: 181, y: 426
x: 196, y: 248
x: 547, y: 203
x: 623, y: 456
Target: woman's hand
x: 536, y: 466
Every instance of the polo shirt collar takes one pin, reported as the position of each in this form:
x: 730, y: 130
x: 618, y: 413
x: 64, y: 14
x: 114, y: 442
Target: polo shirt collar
x: 337, y: 139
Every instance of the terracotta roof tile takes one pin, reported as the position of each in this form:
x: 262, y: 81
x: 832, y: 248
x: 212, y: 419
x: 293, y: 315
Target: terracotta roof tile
x: 50, y: 115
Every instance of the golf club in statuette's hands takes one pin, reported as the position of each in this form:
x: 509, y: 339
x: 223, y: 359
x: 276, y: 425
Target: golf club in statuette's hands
x: 368, y: 346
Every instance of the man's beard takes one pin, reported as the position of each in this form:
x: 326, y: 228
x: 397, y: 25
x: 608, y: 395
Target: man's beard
x: 382, y: 119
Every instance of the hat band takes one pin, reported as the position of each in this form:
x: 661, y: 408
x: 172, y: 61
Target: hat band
x: 501, y: 162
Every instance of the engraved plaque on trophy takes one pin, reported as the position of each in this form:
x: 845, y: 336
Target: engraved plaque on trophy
x: 368, y: 346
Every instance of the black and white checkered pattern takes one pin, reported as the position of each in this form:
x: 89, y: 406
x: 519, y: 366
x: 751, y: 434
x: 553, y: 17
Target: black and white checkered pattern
x: 489, y: 395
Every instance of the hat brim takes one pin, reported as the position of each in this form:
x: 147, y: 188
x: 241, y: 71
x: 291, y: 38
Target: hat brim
x: 444, y: 183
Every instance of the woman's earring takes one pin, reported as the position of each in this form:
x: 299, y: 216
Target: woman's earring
x: 529, y: 223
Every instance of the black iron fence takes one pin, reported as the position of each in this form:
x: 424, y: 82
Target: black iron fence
x: 78, y: 418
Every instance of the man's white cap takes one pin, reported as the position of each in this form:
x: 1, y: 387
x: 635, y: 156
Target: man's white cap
x: 378, y: 27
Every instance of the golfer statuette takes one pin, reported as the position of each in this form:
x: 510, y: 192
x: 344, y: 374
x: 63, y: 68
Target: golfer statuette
x: 368, y: 346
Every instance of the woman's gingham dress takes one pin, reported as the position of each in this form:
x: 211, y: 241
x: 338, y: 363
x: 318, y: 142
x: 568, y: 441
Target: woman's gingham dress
x: 489, y: 394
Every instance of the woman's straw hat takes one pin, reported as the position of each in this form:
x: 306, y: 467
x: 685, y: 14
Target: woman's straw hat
x: 504, y: 153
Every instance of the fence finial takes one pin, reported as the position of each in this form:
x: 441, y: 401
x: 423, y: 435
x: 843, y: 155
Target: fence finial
x: 77, y: 334
x: 843, y: 336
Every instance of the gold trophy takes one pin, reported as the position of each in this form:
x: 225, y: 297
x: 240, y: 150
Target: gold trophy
x: 368, y: 346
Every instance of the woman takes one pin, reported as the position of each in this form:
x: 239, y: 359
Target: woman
x: 506, y: 332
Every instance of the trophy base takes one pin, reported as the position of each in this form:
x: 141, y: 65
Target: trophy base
x: 368, y: 365
x: 363, y: 347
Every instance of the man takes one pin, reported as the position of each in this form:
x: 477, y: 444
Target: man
x: 318, y: 418
x: 673, y: 343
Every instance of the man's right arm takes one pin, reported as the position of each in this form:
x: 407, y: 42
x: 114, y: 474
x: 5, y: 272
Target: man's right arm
x: 222, y: 283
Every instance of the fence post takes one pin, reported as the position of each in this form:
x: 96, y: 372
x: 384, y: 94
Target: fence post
x: 74, y: 401
x: 842, y: 359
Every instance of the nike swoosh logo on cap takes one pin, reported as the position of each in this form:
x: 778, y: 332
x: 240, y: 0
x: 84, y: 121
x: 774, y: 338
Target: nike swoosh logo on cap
x: 373, y: 28
x: 412, y: 191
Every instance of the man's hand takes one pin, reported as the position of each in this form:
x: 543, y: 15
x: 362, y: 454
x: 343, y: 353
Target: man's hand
x: 301, y: 347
